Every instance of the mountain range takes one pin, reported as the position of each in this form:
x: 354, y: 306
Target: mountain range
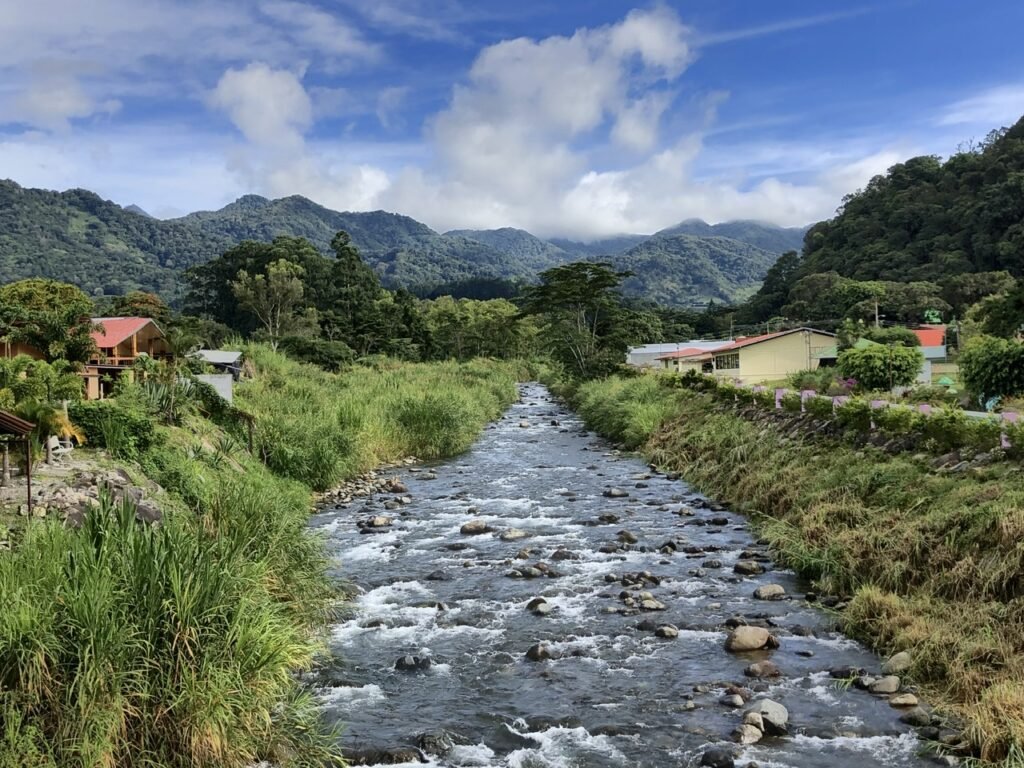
x: 109, y: 249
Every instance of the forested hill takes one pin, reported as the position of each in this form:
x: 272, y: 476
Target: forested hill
x: 926, y: 219
x: 77, y: 237
x: 678, y: 270
x: 109, y: 249
x: 759, y: 234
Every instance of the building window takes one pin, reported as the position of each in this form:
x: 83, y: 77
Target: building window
x: 727, y: 362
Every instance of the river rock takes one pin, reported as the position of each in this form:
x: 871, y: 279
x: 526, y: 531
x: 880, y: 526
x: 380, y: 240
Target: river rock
x: 731, y: 700
x: 538, y: 652
x: 887, y: 684
x: 615, y: 493
x: 903, y: 700
x: 390, y: 756
x: 524, y: 424
x: 650, y: 604
x: 378, y: 521
x: 474, y: 528
x: 774, y: 715
x: 413, y: 664
x: 747, y: 734
x: 564, y: 554
x: 754, y: 719
x: 668, y: 631
x: 438, y: 743
x: 627, y: 537
x: 770, y: 592
x: 513, y: 534
x: 539, y: 607
x: 916, y: 717
x: 428, y: 476
x: 711, y: 564
x: 746, y: 638
x: 897, y: 664
x: 762, y: 669
x: 717, y: 758
x: 748, y: 568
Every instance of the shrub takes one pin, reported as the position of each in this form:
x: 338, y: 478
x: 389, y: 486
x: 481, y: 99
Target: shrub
x: 855, y: 414
x: 792, y: 403
x: 819, y: 379
x: 881, y: 367
x: 124, y: 431
x: 820, y: 407
x: 330, y: 355
x: 993, y: 367
x: 896, y: 420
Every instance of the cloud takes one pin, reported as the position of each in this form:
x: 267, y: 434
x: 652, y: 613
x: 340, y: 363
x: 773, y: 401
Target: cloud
x: 51, y: 102
x: 998, y: 106
x: 389, y: 100
x: 270, y: 107
x: 787, y: 25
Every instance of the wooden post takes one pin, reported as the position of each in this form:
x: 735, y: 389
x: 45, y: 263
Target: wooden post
x: 28, y: 472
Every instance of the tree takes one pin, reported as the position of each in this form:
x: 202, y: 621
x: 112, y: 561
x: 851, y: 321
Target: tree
x: 141, y: 304
x: 273, y: 297
x: 53, y: 317
x: 582, y: 313
x: 881, y: 366
x: 1003, y: 314
x: 993, y: 367
x: 771, y: 297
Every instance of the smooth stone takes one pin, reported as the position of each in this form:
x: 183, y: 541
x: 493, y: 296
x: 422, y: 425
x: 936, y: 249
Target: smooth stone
x: 748, y: 568
x: 887, y: 684
x: 538, y: 652
x: 513, y: 534
x: 897, y: 664
x: 474, y: 528
x: 774, y: 715
x: 916, y: 717
x: 747, y: 734
x: 717, y: 758
x: 770, y: 592
x: 903, y: 700
x: 747, y: 638
x: 615, y: 493
x: 761, y: 669
x: 668, y: 631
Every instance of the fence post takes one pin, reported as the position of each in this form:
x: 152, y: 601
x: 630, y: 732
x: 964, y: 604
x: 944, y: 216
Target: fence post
x: 805, y: 395
x: 779, y: 393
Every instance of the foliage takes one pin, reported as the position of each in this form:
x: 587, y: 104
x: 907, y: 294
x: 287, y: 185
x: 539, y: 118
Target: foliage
x: 332, y: 356
x: 127, y: 431
x: 584, y: 324
x: 831, y: 296
x: 818, y: 379
x: 140, y: 304
x: 51, y: 316
x: 686, y: 269
x: 465, y: 328
x: 881, y: 366
x: 1003, y: 314
x: 23, y: 378
x: 273, y: 297
x: 993, y: 367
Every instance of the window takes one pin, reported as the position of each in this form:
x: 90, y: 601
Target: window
x: 727, y: 362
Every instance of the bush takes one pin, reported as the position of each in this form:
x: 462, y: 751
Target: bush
x: 124, y: 431
x: 993, y: 367
x: 881, y: 367
x: 896, y: 420
x: 820, y: 407
x: 332, y: 356
x: 792, y: 402
x: 855, y: 414
x: 819, y: 379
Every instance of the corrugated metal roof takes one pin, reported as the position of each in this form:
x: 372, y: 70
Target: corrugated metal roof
x: 117, y: 329
x: 931, y: 335
x: 13, y: 425
x: 751, y: 340
x: 218, y: 356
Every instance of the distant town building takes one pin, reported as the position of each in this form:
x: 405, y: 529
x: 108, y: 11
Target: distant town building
x: 649, y: 355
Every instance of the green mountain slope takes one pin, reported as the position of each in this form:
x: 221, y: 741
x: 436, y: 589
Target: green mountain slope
x: 687, y: 269
x: 78, y: 237
x: 763, y: 235
x: 608, y: 246
x: 528, y: 250
x: 926, y: 219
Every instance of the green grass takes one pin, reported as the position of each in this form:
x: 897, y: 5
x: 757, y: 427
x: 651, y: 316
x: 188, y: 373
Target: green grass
x: 125, y: 645
x: 934, y: 563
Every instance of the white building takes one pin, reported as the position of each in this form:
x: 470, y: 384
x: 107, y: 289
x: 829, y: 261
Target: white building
x: 646, y: 356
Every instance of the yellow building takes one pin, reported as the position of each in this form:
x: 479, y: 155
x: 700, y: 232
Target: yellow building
x: 772, y: 356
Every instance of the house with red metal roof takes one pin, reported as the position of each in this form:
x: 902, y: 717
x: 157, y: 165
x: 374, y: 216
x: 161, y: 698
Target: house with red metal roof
x: 120, y: 341
x: 751, y: 359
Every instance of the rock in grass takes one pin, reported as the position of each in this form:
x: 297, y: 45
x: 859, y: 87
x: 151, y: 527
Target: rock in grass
x: 746, y: 638
x: 770, y: 592
x: 903, y: 700
x: 897, y: 664
x: 916, y: 717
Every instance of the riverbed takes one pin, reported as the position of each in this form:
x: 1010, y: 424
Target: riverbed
x: 451, y: 610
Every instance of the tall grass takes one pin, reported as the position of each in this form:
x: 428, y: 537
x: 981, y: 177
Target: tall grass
x: 321, y: 428
x: 178, y: 645
x: 933, y: 562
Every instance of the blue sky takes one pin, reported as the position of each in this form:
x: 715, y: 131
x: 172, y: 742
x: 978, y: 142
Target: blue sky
x: 563, y: 117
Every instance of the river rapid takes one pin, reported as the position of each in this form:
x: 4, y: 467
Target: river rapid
x: 614, y: 693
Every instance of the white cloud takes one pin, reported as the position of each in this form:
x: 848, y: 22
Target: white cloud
x: 270, y: 107
x: 998, y: 106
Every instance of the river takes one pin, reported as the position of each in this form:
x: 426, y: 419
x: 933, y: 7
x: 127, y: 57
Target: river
x: 615, y: 693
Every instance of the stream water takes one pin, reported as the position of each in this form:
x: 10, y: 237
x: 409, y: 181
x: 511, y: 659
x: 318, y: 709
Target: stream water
x: 616, y: 694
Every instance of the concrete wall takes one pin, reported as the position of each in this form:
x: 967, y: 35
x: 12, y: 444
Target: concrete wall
x: 222, y: 382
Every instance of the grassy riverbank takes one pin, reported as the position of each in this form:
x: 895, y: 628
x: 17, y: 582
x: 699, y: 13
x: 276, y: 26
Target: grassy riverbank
x: 933, y: 561
x: 177, y: 645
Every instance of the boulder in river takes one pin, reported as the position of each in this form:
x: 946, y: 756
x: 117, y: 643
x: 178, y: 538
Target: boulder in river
x: 770, y: 592
x: 887, y: 684
x: 747, y: 638
x: 748, y: 568
x: 474, y: 528
x: 667, y: 631
x: 512, y: 534
x: 717, y: 758
x: 539, y: 652
x: 627, y: 537
x: 903, y: 700
x: 413, y: 664
x: 615, y: 493
x: 762, y: 669
x: 747, y: 734
x: 539, y: 607
x: 774, y: 716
